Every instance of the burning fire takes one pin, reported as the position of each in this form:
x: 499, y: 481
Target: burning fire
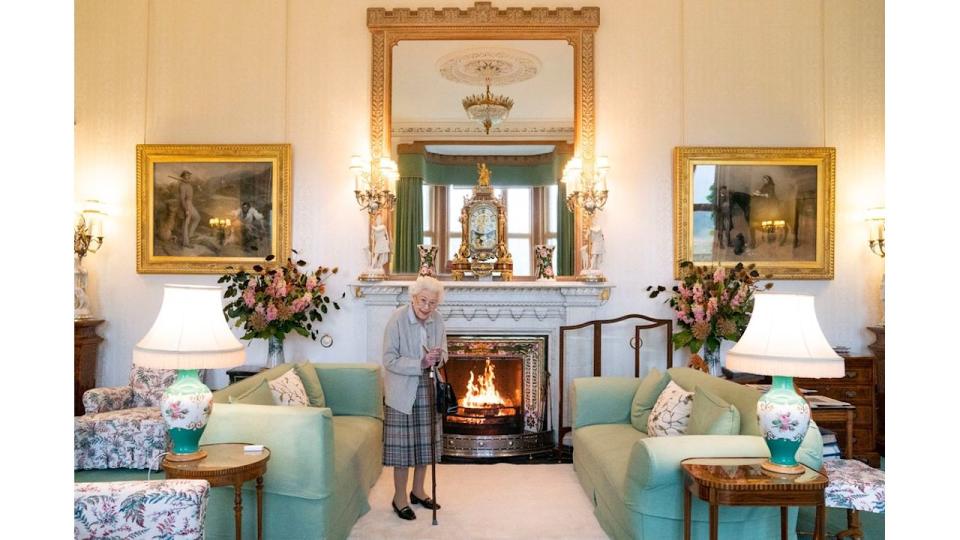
x: 483, y: 393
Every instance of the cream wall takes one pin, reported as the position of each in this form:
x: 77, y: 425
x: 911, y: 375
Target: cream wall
x: 669, y: 73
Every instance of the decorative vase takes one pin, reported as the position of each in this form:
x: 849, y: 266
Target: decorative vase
x: 274, y: 351
x: 428, y: 260
x: 185, y: 407
x: 712, y: 358
x: 543, y: 257
x: 784, y: 417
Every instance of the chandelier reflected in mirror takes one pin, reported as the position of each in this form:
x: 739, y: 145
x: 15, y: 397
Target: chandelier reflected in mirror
x: 487, y: 108
x: 487, y: 67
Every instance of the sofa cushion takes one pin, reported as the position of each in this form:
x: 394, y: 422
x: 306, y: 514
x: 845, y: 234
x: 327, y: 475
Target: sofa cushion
x: 311, y: 383
x: 647, y: 393
x: 288, y: 390
x: 742, y: 397
x: 125, y: 439
x: 671, y: 413
x: 259, y: 395
x: 712, y: 415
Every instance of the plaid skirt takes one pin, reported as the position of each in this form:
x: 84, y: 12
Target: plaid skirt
x: 406, y: 437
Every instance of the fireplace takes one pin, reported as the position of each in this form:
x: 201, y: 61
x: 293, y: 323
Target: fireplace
x: 501, y: 383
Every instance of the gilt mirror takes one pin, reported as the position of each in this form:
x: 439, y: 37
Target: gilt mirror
x: 511, y: 88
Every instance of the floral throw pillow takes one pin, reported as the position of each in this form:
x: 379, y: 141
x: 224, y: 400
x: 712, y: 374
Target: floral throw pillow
x: 671, y: 412
x: 288, y: 390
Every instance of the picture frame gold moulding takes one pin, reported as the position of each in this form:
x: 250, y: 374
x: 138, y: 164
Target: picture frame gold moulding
x: 771, y: 206
x: 234, y: 221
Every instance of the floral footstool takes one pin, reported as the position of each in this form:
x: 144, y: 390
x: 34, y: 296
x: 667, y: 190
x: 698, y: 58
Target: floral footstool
x: 857, y: 487
x: 157, y: 509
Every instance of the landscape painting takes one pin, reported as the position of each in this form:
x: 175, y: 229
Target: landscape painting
x: 769, y: 206
x: 206, y: 209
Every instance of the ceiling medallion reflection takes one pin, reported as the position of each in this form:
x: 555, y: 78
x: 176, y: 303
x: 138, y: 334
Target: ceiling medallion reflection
x: 488, y: 67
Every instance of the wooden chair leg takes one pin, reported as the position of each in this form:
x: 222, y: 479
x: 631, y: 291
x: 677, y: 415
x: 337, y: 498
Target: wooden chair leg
x: 853, y: 529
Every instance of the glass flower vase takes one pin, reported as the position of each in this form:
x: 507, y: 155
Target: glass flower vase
x: 274, y: 351
x: 712, y: 358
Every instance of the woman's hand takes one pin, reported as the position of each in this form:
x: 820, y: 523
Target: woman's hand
x: 431, y: 358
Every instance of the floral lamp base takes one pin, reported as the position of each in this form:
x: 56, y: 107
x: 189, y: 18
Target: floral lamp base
x: 185, y: 407
x: 784, y: 417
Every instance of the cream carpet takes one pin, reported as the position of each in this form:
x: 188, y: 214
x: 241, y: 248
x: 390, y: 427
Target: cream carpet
x: 488, y: 502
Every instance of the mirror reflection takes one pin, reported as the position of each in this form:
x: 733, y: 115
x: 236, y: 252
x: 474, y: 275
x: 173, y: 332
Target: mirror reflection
x: 506, y: 103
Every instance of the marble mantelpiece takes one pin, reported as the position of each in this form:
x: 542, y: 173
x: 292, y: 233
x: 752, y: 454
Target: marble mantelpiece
x: 516, y: 308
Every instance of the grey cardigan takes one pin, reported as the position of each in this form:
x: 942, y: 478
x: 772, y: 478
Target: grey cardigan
x: 402, y: 352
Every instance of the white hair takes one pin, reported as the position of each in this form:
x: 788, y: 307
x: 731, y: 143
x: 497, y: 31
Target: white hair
x: 427, y: 283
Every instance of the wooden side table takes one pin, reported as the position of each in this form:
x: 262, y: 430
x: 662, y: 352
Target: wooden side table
x: 742, y: 482
x: 240, y: 373
x: 227, y: 464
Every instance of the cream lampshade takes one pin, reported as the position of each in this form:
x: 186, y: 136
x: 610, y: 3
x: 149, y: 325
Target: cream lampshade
x: 189, y: 334
x: 783, y: 339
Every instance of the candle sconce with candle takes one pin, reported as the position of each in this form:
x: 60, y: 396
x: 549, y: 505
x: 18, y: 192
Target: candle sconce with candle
x: 87, y: 239
x: 587, y: 190
x: 375, y: 187
x: 220, y: 225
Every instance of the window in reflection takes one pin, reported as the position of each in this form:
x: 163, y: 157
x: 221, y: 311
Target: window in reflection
x: 428, y: 230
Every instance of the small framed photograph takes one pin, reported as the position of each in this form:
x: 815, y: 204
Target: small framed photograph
x: 773, y: 207
x: 204, y: 208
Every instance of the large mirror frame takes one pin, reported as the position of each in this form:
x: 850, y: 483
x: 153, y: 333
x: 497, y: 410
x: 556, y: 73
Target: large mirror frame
x: 485, y: 22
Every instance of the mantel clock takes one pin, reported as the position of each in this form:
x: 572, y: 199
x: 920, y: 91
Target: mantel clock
x: 483, y: 220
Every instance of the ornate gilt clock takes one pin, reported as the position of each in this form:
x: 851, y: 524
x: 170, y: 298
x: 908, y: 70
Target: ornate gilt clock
x: 483, y: 220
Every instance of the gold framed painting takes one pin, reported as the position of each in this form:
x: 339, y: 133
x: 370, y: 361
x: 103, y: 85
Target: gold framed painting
x: 770, y: 206
x: 204, y: 208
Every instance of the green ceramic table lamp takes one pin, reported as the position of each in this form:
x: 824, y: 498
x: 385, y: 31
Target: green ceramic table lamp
x: 189, y: 334
x: 784, y: 340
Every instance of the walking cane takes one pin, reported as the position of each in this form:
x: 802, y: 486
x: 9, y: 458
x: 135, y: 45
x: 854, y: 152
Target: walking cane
x: 433, y: 438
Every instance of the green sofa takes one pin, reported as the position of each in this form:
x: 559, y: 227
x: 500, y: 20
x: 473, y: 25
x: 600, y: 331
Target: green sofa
x: 635, y: 481
x: 323, y: 461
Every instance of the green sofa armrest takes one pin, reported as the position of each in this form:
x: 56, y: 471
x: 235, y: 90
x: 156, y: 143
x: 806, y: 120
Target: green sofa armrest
x: 655, y: 461
x: 602, y: 400
x: 300, y: 440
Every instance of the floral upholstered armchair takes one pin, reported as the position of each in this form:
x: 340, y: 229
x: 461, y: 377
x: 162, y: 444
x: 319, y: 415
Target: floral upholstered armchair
x: 122, y: 427
x: 157, y: 509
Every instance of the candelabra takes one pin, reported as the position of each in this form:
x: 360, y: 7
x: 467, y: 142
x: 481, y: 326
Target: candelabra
x: 587, y: 190
x: 87, y: 238
x: 374, y: 187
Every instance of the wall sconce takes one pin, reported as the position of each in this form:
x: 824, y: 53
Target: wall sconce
x: 587, y: 190
x: 87, y: 238
x: 876, y: 220
x: 374, y: 187
x: 773, y: 229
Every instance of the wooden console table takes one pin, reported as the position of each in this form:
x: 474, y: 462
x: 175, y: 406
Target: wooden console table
x: 85, y: 345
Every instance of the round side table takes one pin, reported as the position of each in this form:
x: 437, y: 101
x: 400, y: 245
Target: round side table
x: 227, y: 464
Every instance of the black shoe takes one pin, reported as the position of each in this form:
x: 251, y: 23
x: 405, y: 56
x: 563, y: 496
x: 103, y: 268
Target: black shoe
x: 405, y: 513
x: 426, y: 503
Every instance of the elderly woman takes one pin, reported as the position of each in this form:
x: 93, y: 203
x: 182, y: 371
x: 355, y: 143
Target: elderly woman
x: 414, y: 342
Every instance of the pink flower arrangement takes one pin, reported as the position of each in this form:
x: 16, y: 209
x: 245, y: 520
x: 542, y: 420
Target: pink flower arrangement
x: 711, y: 304
x: 272, y: 300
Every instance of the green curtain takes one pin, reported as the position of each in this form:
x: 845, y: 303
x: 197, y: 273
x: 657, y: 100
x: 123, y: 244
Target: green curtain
x: 564, y: 233
x: 408, y: 225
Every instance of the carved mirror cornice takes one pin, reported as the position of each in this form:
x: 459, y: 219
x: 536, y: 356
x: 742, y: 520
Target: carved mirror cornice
x: 577, y: 27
